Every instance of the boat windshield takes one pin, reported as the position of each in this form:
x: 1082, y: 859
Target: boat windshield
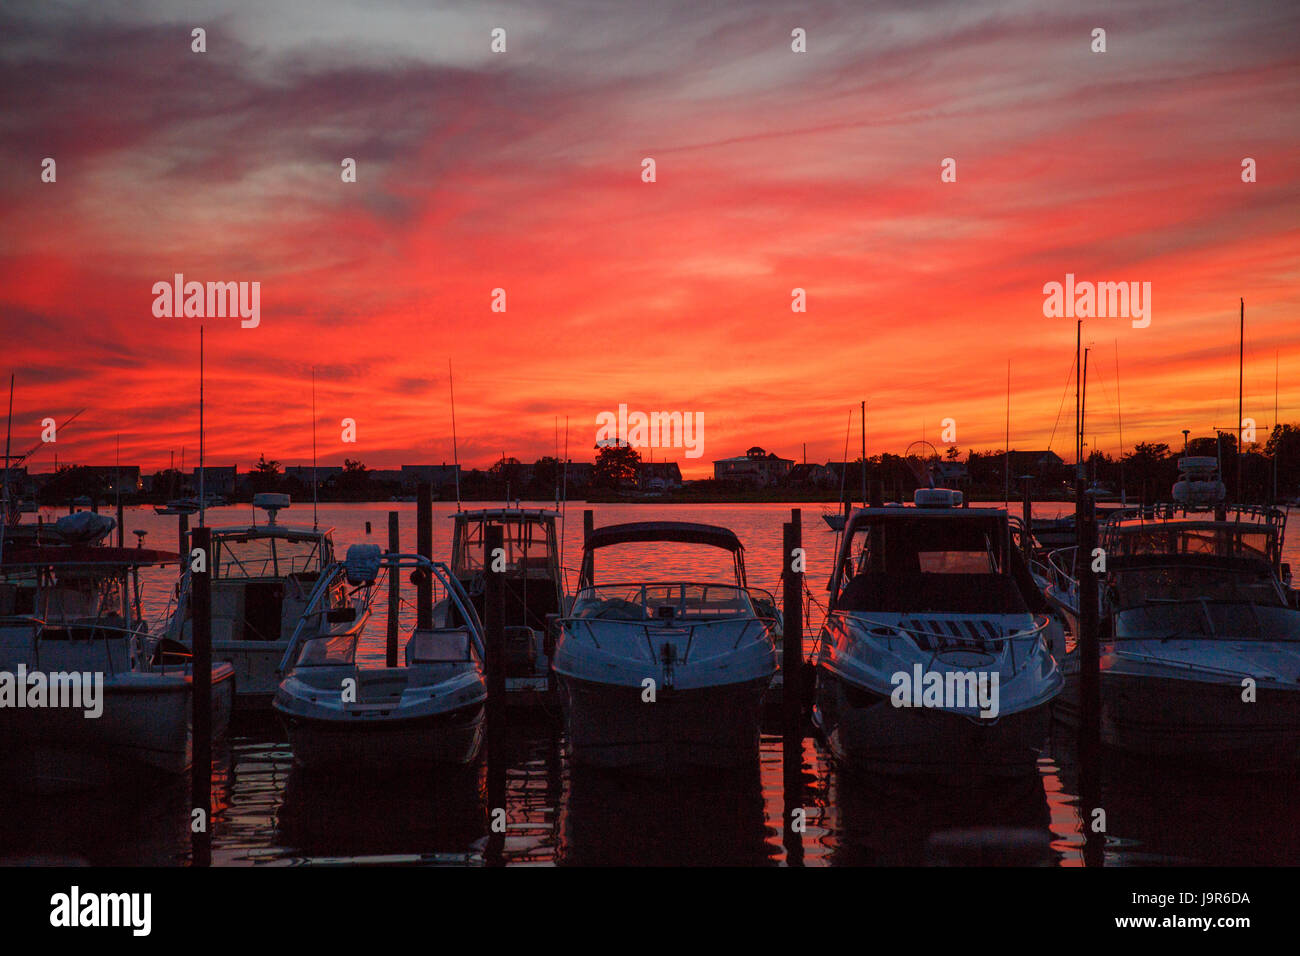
x: 1207, y: 620
x: 268, y: 556
x: 669, y: 603
x: 331, y: 650
x: 1178, y: 583
x: 1223, y: 540
x: 529, y: 543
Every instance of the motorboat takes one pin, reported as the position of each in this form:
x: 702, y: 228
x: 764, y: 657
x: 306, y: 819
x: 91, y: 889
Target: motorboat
x: 937, y: 651
x: 532, y: 581
x: 263, y: 576
x: 1199, y: 636
x: 430, y: 710
x: 665, y: 675
x: 82, y: 704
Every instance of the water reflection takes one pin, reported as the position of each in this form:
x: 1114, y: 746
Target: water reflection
x: 880, y: 820
x: 714, y: 819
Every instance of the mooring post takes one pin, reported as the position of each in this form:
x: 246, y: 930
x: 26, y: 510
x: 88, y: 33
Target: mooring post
x: 424, y: 546
x: 1027, y: 516
x: 878, y: 493
x: 792, y: 617
x: 1089, y: 640
x: 588, y: 525
x: 792, y: 689
x: 121, y: 530
x: 183, y: 523
x: 394, y: 594
x: 494, y: 624
x: 201, y: 694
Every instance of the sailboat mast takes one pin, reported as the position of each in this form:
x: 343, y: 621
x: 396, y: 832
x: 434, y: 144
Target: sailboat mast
x: 315, y: 494
x: 863, y: 469
x: 455, y: 454
x: 1006, y: 462
x: 202, y: 495
x: 1241, y: 365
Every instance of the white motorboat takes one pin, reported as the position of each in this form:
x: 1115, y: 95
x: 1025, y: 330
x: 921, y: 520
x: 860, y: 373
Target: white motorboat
x: 429, y: 711
x: 83, y: 704
x: 667, y: 676
x: 262, y: 578
x: 1200, y: 638
x: 937, y: 651
x: 533, y: 585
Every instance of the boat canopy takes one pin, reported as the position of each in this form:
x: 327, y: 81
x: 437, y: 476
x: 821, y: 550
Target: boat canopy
x: 86, y: 556
x: 683, y: 532
x: 686, y: 532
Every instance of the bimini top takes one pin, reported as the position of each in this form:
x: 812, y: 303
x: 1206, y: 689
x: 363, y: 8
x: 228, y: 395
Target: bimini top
x: 686, y: 532
x: 85, y: 556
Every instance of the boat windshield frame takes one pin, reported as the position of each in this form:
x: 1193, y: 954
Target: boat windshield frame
x: 315, y: 560
x: 638, y: 594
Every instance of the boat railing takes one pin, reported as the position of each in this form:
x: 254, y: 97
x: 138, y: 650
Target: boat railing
x: 888, y: 630
x: 133, y: 634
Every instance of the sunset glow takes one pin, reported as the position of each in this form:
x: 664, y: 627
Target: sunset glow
x: 775, y: 171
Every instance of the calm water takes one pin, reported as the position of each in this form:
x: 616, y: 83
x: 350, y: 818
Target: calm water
x: 268, y: 813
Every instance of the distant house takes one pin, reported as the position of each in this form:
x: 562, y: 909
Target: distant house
x: 812, y: 476
x: 437, y: 475
x: 579, y: 474
x: 756, y: 467
x: 658, y: 476
x: 1035, y: 462
x: 217, y: 479
x: 951, y: 474
x: 304, y: 474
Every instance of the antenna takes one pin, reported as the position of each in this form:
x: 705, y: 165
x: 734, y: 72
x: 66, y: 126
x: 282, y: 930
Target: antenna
x: 864, y: 454
x: 565, y: 480
x: 202, y: 496
x: 1119, y: 414
x: 9, y: 431
x: 455, y: 454
x: 1241, y: 364
x: 314, y: 493
x: 1006, y: 462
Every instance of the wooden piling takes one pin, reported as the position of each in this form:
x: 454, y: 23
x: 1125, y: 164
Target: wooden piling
x: 394, y: 594
x: 494, y: 625
x: 792, y: 620
x: 183, y: 547
x: 1027, y: 516
x: 588, y: 525
x: 121, y: 529
x: 424, y: 546
x: 878, y: 493
x: 1089, y: 643
x: 201, y: 695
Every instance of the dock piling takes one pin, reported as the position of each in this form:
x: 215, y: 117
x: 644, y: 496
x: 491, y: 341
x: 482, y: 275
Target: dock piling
x: 201, y: 697
x: 394, y: 594
x: 792, y: 618
x: 424, y: 546
x: 494, y: 637
x: 121, y: 528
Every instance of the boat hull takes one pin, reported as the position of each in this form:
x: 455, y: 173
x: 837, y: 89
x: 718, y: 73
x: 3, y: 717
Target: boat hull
x: 865, y: 730
x: 144, y: 730
x: 384, y: 743
x: 709, y: 727
x: 1185, y: 720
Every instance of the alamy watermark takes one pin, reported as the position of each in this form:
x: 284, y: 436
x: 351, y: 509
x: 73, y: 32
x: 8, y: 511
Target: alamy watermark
x: 1086, y: 300
x: 76, y: 690
x: 653, y: 430
x: 949, y: 690
x: 215, y: 300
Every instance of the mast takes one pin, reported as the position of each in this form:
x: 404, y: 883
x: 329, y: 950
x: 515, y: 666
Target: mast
x: 4, y: 502
x: 1078, y: 407
x: 863, y: 469
x: 315, y: 494
x: 1006, y: 461
x: 1241, y: 365
x: 202, y: 497
x: 1119, y: 413
x: 455, y: 455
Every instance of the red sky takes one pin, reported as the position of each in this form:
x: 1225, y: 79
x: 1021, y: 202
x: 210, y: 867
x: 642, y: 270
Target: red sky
x: 521, y: 170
